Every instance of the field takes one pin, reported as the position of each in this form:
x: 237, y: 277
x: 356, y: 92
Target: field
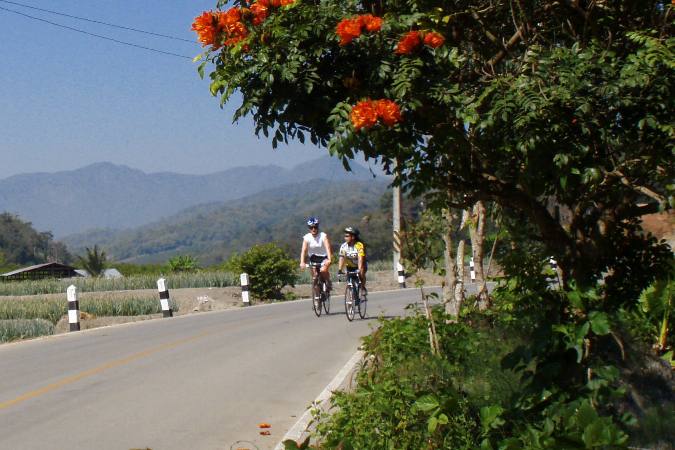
x: 24, y: 314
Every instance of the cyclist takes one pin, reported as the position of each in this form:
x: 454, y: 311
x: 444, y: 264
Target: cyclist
x: 353, y: 255
x: 317, y: 245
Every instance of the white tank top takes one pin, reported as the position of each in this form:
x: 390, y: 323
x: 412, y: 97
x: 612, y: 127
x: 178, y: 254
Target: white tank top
x: 315, y: 245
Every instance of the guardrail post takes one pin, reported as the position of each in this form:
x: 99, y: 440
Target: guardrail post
x: 73, y: 308
x: 244, y: 289
x: 472, y: 270
x: 164, y: 298
x: 401, y: 275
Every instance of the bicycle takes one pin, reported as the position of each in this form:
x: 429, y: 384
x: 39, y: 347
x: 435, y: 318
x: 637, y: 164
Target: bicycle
x: 353, y: 298
x: 320, y: 292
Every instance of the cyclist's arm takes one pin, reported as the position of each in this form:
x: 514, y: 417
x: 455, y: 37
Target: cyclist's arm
x: 341, y: 263
x: 361, y: 259
x: 302, y: 253
x: 329, y: 252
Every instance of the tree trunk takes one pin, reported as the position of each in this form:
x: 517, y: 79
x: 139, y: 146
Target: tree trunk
x: 450, y: 283
x: 459, y: 287
x: 478, y: 251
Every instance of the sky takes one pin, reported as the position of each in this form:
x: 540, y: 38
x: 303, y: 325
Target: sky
x: 68, y: 100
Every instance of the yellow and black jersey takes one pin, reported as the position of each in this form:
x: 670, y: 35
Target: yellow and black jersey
x: 352, y: 253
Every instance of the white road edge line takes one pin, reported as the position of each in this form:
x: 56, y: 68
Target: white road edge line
x: 296, y: 431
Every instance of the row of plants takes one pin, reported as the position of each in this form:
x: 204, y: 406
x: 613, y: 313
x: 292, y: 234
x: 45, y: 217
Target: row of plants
x: 180, y: 280
x: 53, y: 310
x: 14, y: 329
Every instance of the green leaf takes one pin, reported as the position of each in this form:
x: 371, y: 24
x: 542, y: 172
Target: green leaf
x: 432, y: 424
x: 599, y: 323
x: 490, y: 417
x: 426, y: 403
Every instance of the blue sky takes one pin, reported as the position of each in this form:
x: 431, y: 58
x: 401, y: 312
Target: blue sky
x: 68, y: 100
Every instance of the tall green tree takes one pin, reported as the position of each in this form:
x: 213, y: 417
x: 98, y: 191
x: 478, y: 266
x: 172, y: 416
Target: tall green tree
x: 94, y: 262
x: 559, y: 110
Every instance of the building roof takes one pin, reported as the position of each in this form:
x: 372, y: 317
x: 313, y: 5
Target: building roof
x: 51, y: 265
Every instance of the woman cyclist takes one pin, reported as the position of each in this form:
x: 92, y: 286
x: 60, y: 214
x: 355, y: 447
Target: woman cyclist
x: 317, y: 245
x: 353, y: 255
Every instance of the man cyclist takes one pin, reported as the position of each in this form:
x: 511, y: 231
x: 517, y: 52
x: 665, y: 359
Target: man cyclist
x: 353, y: 256
x: 317, y: 245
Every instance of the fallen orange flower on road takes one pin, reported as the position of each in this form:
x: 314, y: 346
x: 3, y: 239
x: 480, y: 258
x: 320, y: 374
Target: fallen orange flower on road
x: 264, y: 425
x: 265, y: 433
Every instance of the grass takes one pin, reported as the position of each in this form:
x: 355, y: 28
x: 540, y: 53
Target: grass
x: 11, y: 330
x: 202, y: 279
x: 53, y: 309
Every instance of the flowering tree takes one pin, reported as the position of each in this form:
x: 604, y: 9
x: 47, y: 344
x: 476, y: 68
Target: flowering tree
x: 560, y: 110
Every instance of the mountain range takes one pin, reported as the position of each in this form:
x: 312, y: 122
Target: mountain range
x: 213, y: 231
x: 116, y: 197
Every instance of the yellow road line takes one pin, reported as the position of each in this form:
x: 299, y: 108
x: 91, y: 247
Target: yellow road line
x: 97, y: 370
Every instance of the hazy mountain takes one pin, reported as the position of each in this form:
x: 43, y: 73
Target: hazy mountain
x: 106, y: 195
x: 213, y: 231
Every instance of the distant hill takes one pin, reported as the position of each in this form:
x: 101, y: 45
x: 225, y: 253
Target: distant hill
x: 106, y: 195
x: 21, y: 244
x: 213, y: 231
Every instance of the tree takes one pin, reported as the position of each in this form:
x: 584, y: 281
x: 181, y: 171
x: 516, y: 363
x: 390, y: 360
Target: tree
x: 268, y: 267
x: 94, y: 262
x: 561, y: 110
x: 183, y: 263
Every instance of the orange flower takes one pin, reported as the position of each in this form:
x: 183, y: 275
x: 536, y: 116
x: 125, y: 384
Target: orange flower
x: 371, y: 23
x: 229, y: 17
x: 434, y: 40
x: 366, y: 113
x: 348, y: 30
x: 287, y: 2
x: 409, y: 42
x: 388, y: 111
x: 363, y: 115
x: 206, y: 27
x: 260, y: 10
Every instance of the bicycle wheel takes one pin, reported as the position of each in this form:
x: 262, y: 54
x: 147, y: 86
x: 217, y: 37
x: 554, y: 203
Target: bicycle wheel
x: 363, y: 303
x: 316, y: 298
x: 326, y: 298
x: 349, y: 303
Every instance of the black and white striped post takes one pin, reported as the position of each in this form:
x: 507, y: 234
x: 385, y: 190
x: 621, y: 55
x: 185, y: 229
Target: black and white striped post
x: 73, y: 308
x: 554, y: 265
x: 244, y: 289
x: 164, y: 298
x: 472, y: 270
x: 401, y: 275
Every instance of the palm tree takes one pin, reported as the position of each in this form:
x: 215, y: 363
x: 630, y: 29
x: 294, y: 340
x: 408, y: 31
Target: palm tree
x: 94, y: 262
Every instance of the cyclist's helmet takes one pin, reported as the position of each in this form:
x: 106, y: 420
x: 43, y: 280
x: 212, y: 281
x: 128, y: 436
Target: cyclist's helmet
x: 353, y: 231
x: 313, y: 221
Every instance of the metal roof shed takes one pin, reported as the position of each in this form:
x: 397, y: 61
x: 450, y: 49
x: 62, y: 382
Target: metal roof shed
x: 40, y: 271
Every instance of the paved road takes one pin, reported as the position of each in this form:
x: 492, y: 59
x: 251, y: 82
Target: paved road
x: 200, y: 381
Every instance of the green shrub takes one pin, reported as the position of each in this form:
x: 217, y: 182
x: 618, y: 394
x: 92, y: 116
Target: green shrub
x: 268, y: 267
x: 11, y: 330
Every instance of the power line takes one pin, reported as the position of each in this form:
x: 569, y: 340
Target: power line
x: 100, y: 22
x: 96, y: 35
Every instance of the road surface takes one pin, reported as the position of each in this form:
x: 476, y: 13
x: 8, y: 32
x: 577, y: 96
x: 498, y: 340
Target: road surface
x: 201, y: 381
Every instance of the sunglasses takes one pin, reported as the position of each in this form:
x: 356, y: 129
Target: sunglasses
x: 347, y: 236
x: 313, y: 227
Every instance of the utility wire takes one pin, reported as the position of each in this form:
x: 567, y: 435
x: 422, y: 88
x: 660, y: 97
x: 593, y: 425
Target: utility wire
x: 100, y: 22
x: 96, y: 35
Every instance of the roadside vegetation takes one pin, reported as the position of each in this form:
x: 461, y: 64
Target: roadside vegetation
x: 174, y: 281
x: 24, y: 318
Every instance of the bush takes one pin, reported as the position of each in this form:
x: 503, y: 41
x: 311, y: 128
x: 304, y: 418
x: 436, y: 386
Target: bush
x: 268, y: 267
